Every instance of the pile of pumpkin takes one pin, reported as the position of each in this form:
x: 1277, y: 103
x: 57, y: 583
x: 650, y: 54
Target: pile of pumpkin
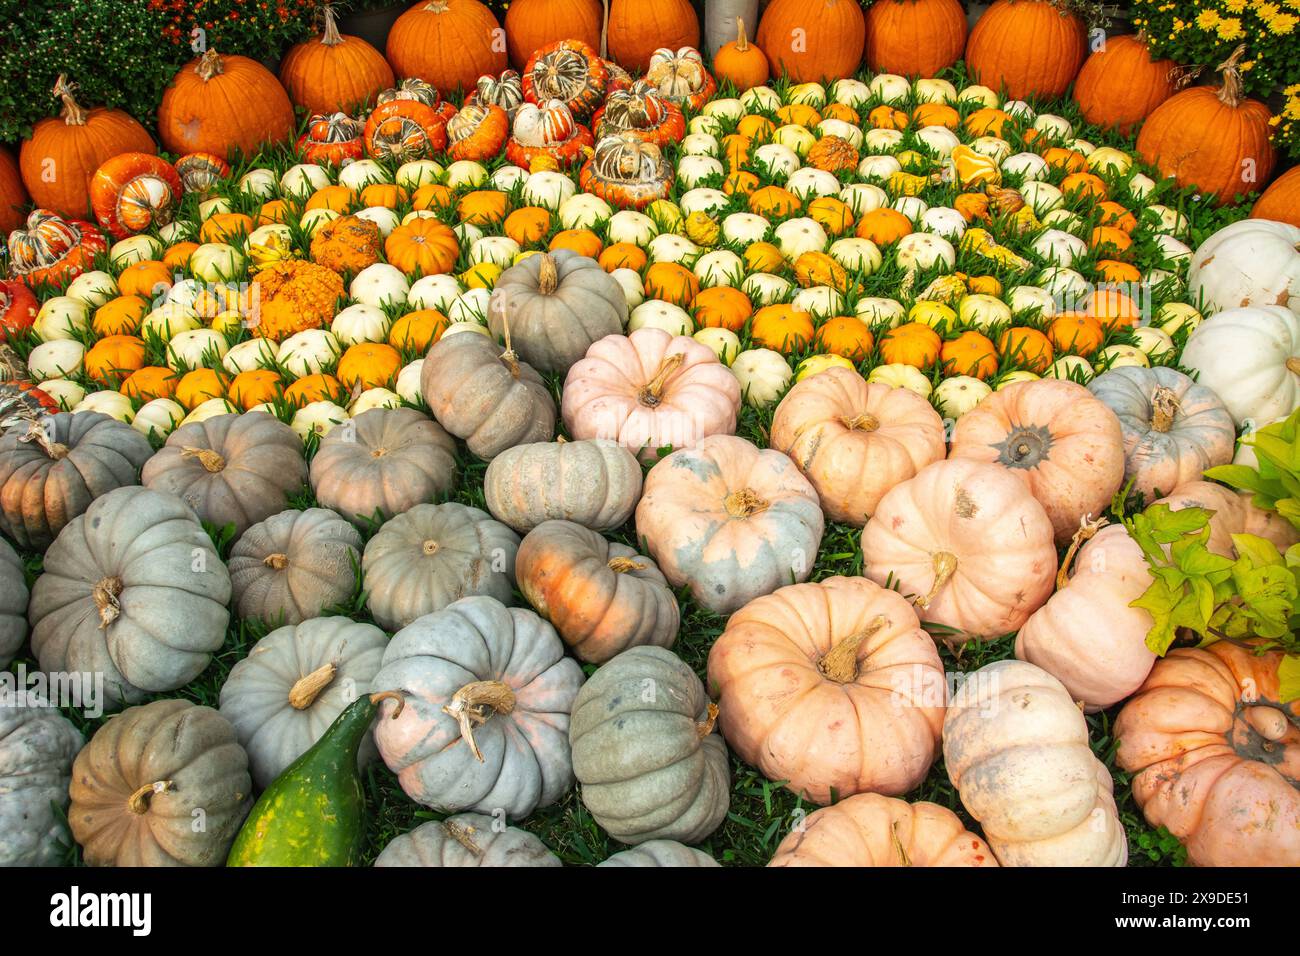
x: 302, y: 354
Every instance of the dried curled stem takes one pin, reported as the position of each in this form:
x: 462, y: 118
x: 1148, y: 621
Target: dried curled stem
x: 1230, y: 93
x: 462, y: 834
x: 865, y: 422
x: 840, y: 663
x: 276, y: 562
x: 73, y: 113
x: 379, y: 696
x: 55, y: 451
x: 138, y: 802
x: 903, y: 858
x: 105, y: 594
x: 945, y: 566
x: 745, y: 503
x: 548, y: 278
x: 624, y: 565
x: 652, y: 392
x: 209, y: 65
x: 705, y: 727
x: 209, y: 459
x: 331, y: 35
x: 1164, y: 408
x: 306, y: 689
x: 475, y: 704
x: 510, y: 357
x: 1086, y: 530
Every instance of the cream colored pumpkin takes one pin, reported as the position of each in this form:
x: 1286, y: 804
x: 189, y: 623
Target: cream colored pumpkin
x: 1250, y: 358
x: 1251, y: 262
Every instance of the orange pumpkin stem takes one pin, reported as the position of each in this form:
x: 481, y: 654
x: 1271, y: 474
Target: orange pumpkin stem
x: 840, y: 663
x: 865, y: 422
x: 1086, y: 530
x: 651, y: 391
x: 475, y: 704
x: 209, y: 459
x: 624, y: 565
x: 1230, y: 92
x: 105, y: 594
x: 705, y: 727
x: 548, y: 279
x: 306, y: 689
x: 1164, y: 408
x: 138, y: 802
x: 330, y: 36
x: 744, y: 503
x: 73, y: 113
x: 436, y: 6
x: 209, y: 65
x: 742, y: 41
x: 945, y: 566
x: 383, y: 695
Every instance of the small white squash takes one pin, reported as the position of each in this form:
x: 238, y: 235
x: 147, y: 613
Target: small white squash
x: 763, y: 375
x: 303, y: 179
x: 628, y: 225
x: 658, y: 314
x: 380, y: 284
x: 583, y: 210
x: 724, y: 343
x: 434, y: 292
x: 1250, y: 358
x: 92, y: 288
x: 64, y: 391
x: 548, y: 189
x: 253, y: 353
x: 216, y: 261
x: 957, y: 395
x: 196, y: 348
x: 61, y: 317
x: 160, y: 417
x: 419, y: 172
x: 1251, y: 262
x: 408, y: 382
x: 317, y: 418
x: 308, y: 352
x: 360, y: 323
x: 110, y: 403
x: 902, y: 376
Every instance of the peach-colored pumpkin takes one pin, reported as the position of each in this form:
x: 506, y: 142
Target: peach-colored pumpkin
x: 1216, y: 757
x: 970, y: 541
x: 1065, y: 445
x: 1087, y: 635
x: 650, y: 389
x: 854, y: 441
x: 831, y: 687
x: 1234, y: 513
x: 870, y: 830
x: 731, y: 520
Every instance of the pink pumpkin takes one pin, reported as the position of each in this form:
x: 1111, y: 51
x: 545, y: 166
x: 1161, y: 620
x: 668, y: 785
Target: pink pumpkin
x: 1064, y: 444
x: 969, y: 541
x: 649, y: 390
x: 854, y: 441
x: 1234, y: 513
x: 1087, y: 635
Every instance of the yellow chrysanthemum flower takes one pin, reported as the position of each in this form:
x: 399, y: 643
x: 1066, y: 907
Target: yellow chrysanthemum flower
x: 1230, y: 29
x: 1207, y: 19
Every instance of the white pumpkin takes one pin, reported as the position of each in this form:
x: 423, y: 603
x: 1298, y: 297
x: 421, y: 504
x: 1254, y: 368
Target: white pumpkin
x: 861, y: 256
x: 890, y: 88
x: 360, y: 173
x: 850, y: 92
x: 862, y: 198
x: 992, y: 147
x: 979, y: 96
x: 1064, y: 284
x: 1153, y: 341
x: 819, y: 300
x: 1053, y: 126
x: 658, y: 314
x: 1042, y: 197
x: 628, y: 225
x: 317, y: 418
x: 882, y: 141
x: 167, y: 320
x: 470, y: 307
x: 499, y: 250
x: 724, y: 343
x: 1175, y: 316
x: 957, y: 395
x: 877, y: 310
x: 408, y: 382
x: 940, y: 139
x: 467, y: 325
x: 630, y: 282
x: 215, y: 206
x: 160, y: 416
x: 419, y: 172
x: 913, y: 207
x: 380, y: 284
x: 1108, y: 161
x: 466, y: 174
x: 258, y: 183
x: 809, y: 94
x: 434, y: 292
x: 745, y: 228
x: 583, y: 210
x: 700, y: 144
x: 694, y: 170
x: 719, y: 267
x: 725, y: 108
x: 705, y: 200
x: 763, y: 288
x: 300, y: 181
x: 944, y: 221
x: 922, y: 250
x: 802, y: 234
x: 61, y: 317
x: 385, y: 219
x: 66, y: 392
x: 178, y: 230
x: 1070, y: 368
x: 133, y: 249
x: 670, y: 247
x: 1028, y: 166
x: 55, y: 359
x: 1250, y: 358
x: 983, y: 311
x: 548, y: 189
x: 1119, y: 356
x: 763, y: 375
x: 844, y: 130
x: 1251, y: 262
x: 374, y: 398
x: 934, y: 91
x: 92, y: 288
x: 902, y: 376
x: 196, y: 348
x: 780, y: 161
x: 878, y: 167
x: 467, y: 233
x: 797, y: 138
x: 1020, y: 110
x: 809, y: 183
x: 360, y: 323
x: 760, y: 99
x: 507, y: 177
x: 308, y: 352
x: 1059, y: 248
x: 216, y: 261
x: 245, y: 356
x: 110, y: 403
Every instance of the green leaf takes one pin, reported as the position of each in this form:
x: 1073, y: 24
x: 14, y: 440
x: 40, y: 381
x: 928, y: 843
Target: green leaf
x: 1159, y: 601
x: 1260, y: 552
x: 1288, y: 676
x: 1241, y: 477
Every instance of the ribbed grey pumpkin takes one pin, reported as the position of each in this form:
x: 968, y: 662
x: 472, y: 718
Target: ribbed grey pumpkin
x: 294, y: 565
x: 553, y: 306
x: 487, y: 693
x: 13, y: 604
x: 37, y: 745
x: 601, y: 596
x: 386, y: 460
x: 467, y: 839
x: 231, y: 469
x: 284, y: 695
x: 594, y: 483
x: 134, y: 590
x: 50, y: 475
x: 489, y: 398
x: 1174, y: 429
x: 424, y: 559
x: 661, y: 853
x: 149, y: 777
x: 650, y: 762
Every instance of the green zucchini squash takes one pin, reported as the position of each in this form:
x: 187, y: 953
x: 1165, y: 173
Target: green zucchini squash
x: 310, y: 815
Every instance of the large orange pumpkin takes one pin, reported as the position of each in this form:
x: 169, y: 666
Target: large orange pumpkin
x: 533, y: 24
x: 831, y: 687
x: 447, y: 43
x: 333, y: 73
x: 1216, y: 756
x: 425, y: 245
x: 637, y: 28
x: 915, y: 37
x: 13, y: 194
x: 1281, y: 201
x: 1030, y: 47
x: 64, y: 152
x: 740, y: 61
x: 1121, y: 84
x: 813, y: 39
x: 218, y: 104
x: 1215, y: 140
